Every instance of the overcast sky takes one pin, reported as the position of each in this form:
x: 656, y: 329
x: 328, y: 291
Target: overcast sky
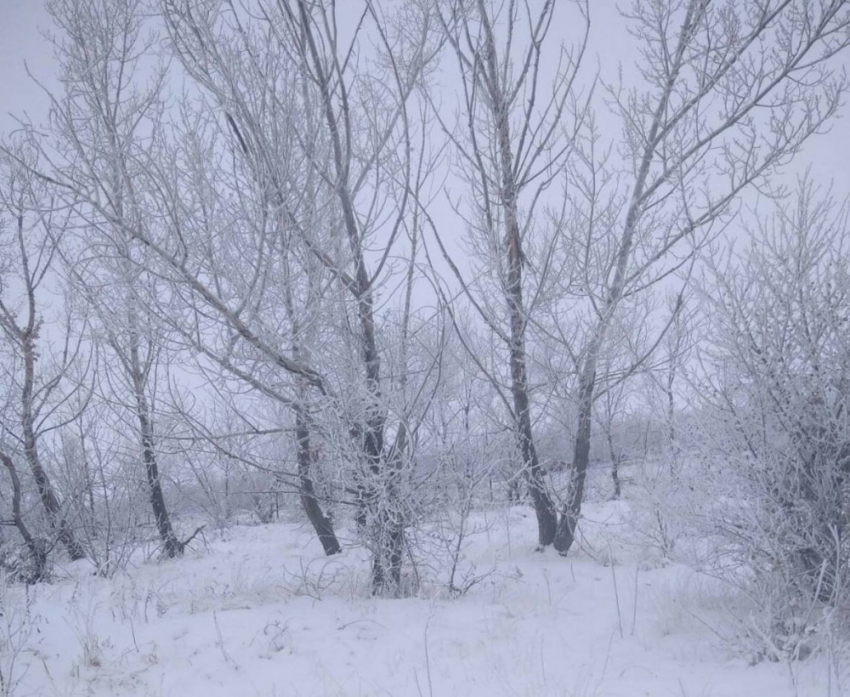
x: 20, y: 42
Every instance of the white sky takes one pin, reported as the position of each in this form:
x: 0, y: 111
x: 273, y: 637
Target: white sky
x: 20, y: 42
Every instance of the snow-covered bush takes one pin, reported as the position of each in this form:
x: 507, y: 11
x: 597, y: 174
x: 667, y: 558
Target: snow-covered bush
x: 777, y: 427
x: 656, y: 505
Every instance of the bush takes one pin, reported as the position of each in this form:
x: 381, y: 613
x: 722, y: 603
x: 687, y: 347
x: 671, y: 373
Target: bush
x: 777, y: 419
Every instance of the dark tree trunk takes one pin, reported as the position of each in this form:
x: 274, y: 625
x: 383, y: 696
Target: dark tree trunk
x: 513, y: 490
x: 388, y: 556
x: 565, y: 534
x: 380, y: 507
x: 615, y: 478
x: 45, y: 489
x: 172, y: 547
x: 615, y: 464
x: 35, y: 546
x: 543, y: 505
x: 386, y: 563
x: 320, y: 522
x: 671, y: 419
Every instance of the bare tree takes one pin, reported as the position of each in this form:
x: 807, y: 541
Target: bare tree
x: 30, y: 240
x: 292, y: 63
x: 726, y: 94
x: 510, y: 149
x: 97, y: 123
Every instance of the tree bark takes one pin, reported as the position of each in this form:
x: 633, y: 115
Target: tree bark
x: 36, y: 547
x: 45, y: 488
x: 570, y: 513
x: 172, y: 547
x: 615, y: 465
x: 543, y: 505
x: 320, y: 522
x: 386, y: 567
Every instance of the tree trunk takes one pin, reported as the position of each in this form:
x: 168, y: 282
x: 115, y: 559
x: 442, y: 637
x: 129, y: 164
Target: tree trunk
x: 172, y: 547
x: 45, y: 489
x: 543, y: 505
x: 320, y: 522
x: 565, y: 534
x: 386, y: 566
x: 388, y: 554
x: 36, y: 547
x: 544, y: 508
x: 615, y: 464
x: 671, y: 418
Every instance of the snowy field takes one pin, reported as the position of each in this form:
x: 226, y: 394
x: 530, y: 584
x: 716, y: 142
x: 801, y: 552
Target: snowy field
x: 257, y: 610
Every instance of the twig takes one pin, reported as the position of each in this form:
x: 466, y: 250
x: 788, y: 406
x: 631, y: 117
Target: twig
x: 635, y: 604
x: 616, y: 592
x: 191, y: 537
x: 227, y: 657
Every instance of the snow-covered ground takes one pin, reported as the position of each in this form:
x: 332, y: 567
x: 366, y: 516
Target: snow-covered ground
x: 259, y: 611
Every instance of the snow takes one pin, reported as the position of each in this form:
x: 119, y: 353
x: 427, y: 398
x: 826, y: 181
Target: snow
x: 259, y: 611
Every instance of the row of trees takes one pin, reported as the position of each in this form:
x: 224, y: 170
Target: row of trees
x: 267, y: 234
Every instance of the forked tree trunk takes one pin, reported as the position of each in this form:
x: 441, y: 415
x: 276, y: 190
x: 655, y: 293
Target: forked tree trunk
x: 389, y: 530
